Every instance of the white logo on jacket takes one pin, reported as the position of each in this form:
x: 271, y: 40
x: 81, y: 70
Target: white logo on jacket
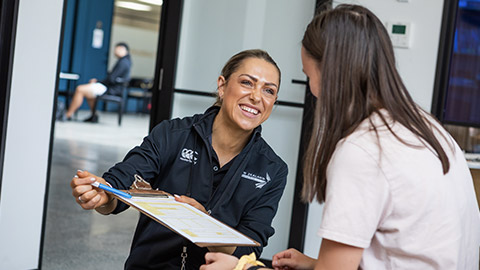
x: 188, y: 155
x: 261, y: 181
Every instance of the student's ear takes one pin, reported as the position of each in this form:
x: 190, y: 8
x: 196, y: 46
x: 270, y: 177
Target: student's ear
x: 221, y: 86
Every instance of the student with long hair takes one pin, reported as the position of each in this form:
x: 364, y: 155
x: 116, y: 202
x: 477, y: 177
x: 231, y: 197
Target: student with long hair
x: 396, y: 188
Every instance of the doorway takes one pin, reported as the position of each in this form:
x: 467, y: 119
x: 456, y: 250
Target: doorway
x: 74, y: 238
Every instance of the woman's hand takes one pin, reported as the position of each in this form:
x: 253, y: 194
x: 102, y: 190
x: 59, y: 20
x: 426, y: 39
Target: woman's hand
x: 219, y: 261
x: 292, y: 259
x: 85, y: 194
x: 190, y: 201
x: 194, y: 203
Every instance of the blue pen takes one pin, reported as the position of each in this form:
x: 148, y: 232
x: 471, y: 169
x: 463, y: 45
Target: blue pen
x: 112, y: 190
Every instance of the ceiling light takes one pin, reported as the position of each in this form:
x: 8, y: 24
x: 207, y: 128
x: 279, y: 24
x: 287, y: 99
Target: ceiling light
x: 134, y: 6
x: 153, y: 2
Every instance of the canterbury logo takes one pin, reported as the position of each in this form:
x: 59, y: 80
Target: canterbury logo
x: 187, y: 155
x: 260, y: 180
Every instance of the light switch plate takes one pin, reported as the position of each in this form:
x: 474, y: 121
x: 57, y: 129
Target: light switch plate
x: 400, y: 34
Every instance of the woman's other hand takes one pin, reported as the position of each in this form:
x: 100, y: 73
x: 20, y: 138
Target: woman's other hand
x: 194, y: 203
x: 292, y: 259
x: 216, y: 261
x: 190, y: 201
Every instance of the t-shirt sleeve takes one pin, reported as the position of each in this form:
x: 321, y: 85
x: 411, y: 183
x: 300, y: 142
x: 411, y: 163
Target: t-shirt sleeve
x: 357, y: 196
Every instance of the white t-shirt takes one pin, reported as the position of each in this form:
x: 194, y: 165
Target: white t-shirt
x: 396, y: 203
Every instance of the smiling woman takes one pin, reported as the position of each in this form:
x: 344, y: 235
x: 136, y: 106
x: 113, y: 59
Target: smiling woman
x: 226, y: 151
x: 248, y: 95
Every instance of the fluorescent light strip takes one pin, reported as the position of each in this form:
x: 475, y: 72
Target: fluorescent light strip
x: 134, y: 6
x: 153, y: 2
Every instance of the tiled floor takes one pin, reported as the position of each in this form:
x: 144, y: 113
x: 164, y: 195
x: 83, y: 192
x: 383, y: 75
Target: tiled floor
x: 75, y: 238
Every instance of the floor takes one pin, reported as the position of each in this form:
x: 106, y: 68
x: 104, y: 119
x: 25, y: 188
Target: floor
x: 75, y: 238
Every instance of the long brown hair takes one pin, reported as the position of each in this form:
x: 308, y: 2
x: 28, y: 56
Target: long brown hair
x: 358, y: 77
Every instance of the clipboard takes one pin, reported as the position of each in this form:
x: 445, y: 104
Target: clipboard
x: 189, y: 222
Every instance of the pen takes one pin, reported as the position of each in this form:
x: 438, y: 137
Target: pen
x: 112, y: 190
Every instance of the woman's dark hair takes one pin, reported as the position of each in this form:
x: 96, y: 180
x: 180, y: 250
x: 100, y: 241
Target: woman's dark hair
x: 358, y: 77
x: 123, y: 44
x: 236, y: 61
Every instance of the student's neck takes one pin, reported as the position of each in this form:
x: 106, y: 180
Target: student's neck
x: 228, y: 141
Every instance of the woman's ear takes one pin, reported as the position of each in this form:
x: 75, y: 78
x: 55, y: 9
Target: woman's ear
x: 221, y: 86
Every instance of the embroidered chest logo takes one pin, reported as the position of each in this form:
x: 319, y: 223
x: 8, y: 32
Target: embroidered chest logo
x: 188, y: 155
x: 260, y: 180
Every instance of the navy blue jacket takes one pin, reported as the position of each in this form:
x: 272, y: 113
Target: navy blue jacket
x: 118, y: 77
x: 246, y: 199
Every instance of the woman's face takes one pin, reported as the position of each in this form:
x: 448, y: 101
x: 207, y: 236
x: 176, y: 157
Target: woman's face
x: 120, y: 51
x: 310, y: 68
x: 249, y: 94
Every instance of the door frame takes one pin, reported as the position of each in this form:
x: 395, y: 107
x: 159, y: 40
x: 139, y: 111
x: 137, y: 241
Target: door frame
x: 8, y: 29
x: 447, y: 36
x: 164, y: 89
x: 166, y: 63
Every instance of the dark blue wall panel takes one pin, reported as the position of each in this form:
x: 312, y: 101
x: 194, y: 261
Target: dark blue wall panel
x: 87, y: 61
x: 69, y: 29
x: 78, y: 54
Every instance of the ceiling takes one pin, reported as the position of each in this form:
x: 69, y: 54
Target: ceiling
x: 138, y: 13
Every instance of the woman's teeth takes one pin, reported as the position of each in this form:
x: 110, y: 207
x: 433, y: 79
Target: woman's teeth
x: 250, y: 110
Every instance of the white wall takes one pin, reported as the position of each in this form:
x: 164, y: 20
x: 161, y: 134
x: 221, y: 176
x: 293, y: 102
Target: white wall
x: 209, y: 35
x: 416, y: 65
x: 214, y: 30
x: 143, y: 48
x: 28, y: 133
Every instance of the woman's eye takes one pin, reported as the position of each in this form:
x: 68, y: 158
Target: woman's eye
x: 245, y: 82
x: 270, y: 91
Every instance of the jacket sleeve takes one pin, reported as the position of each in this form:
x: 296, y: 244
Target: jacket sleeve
x: 119, y: 71
x: 256, y: 223
x: 145, y: 160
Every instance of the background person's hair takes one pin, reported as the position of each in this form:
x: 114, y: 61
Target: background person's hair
x: 236, y: 61
x: 358, y: 77
x: 123, y: 44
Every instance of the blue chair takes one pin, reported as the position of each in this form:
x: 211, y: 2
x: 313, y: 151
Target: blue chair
x: 140, y: 90
x: 118, y: 99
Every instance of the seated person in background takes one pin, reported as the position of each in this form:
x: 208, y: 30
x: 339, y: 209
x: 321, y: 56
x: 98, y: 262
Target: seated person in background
x: 112, y: 84
x: 397, y: 190
x: 218, y: 161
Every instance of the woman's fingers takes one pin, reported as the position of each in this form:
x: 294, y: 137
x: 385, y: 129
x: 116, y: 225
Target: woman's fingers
x: 284, y: 259
x: 82, y: 178
x: 80, y: 186
x: 84, y: 193
x: 216, y: 260
x: 89, y: 200
x: 292, y: 259
x: 210, y: 257
x: 190, y: 201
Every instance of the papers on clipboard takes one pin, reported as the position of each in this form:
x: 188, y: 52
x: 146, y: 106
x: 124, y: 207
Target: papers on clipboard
x: 189, y: 222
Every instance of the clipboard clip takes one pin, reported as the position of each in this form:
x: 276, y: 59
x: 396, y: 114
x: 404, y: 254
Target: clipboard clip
x: 140, y: 183
x: 142, y: 188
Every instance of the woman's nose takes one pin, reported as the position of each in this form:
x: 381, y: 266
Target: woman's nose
x: 255, y: 95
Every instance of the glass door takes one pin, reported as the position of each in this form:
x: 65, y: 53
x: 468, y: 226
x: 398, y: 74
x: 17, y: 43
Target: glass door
x: 211, y: 31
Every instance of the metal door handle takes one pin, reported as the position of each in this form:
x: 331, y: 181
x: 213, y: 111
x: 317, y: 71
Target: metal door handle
x: 299, y: 81
x: 160, y: 80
